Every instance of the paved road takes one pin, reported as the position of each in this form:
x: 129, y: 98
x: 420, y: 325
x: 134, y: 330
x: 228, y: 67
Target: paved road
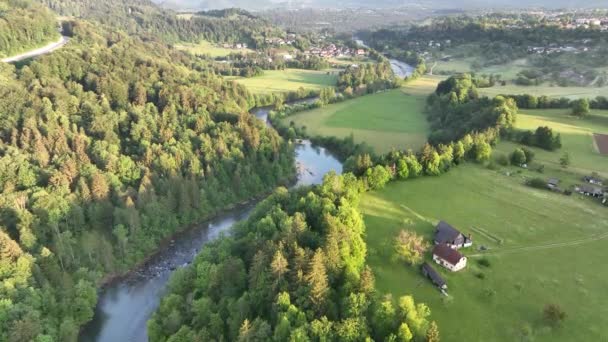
x: 37, y: 52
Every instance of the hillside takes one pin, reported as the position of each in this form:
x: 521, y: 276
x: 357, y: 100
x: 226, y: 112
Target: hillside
x: 107, y: 147
x: 24, y: 25
x: 144, y: 18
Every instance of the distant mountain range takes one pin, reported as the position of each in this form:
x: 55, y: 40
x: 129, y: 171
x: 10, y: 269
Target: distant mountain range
x: 431, y: 4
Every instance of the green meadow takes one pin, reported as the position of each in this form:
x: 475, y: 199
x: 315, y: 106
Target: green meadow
x: 507, y: 71
x: 543, y: 248
x: 576, y: 134
x: 547, y: 90
x: 384, y: 121
x: 280, y: 81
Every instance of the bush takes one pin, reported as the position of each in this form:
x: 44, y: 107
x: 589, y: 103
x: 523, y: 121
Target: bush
x: 554, y: 314
x: 502, y: 159
x: 580, y: 107
x: 484, y: 262
x: 480, y: 275
x: 538, y: 183
x: 518, y: 157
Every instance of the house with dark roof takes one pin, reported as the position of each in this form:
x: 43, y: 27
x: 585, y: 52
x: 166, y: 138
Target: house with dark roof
x: 590, y: 190
x: 593, y: 180
x: 434, y: 276
x: 449, y: 258
x: 446, y: 234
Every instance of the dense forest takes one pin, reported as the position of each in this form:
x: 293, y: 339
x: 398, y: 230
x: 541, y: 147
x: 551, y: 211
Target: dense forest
x: 456, y: 109
x: 107, y: 146
x: 144, y: 18
x: 24, y: 25
x: 294, y: 271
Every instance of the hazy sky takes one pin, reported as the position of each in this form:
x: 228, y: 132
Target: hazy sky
x: 260, y: 4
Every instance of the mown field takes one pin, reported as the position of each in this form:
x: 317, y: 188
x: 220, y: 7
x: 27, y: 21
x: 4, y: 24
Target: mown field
x: 507, y: 71
x: 547, y: 90
x: 289, y: 80
x: 543, y: 248
x: 208, y: 48
x: 384, y: 121
x: 576, y: 134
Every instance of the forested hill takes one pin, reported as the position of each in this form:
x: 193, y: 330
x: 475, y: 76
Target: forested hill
x: 107, y: 146
x: 24, y: 25
x: 145, y: 18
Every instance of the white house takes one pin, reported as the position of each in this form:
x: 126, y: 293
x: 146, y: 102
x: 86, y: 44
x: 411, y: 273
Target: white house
x: 449, y: 258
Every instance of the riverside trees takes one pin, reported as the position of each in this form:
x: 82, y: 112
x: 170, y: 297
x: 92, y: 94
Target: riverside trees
x: 294, y: 270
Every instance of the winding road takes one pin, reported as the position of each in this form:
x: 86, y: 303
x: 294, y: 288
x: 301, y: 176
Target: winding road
x: 37, y: 52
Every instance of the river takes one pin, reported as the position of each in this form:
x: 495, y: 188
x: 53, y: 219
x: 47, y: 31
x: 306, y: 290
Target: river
x: 125, y: 306
x: 400, y: 69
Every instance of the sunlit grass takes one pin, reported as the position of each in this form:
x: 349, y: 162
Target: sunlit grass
x: 524, y: 275
x: 384, y: 121
x: 289, y: 80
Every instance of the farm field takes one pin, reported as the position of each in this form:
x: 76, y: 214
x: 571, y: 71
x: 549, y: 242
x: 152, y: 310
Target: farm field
x: 577, y: 138
x: 507, y: 71
x: 541, y: 247
x: 208, y: 48
x: 423, y: 86
x: 289, y: 80
x: 383, y: 120
x: 550, y: 91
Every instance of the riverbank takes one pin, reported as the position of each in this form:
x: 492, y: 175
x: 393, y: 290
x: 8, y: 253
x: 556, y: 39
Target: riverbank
x: 167, y: 242
x: 127, y: 300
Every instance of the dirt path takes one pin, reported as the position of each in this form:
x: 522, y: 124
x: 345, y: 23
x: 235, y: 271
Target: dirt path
x: 37, y: 52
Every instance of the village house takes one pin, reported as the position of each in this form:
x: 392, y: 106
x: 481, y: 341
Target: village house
x: 434, y: 276
x: 448, y: 235
x: 590, y: 190
x: 593, y: 180
x: 449, y: 258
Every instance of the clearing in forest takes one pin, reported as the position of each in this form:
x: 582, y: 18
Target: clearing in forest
x: 541, y: 246
x: 281, y: 81
x: 384, y: 120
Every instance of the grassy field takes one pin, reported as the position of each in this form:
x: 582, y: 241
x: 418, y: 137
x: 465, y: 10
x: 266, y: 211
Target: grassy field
x: 289, y: 80
x: 208, y: 48
x: 550, y: 91
x: 423, y: 86
x: 507, y: 71
x: 550, y: 251
x: 577, y: 138
x: 384, y: 120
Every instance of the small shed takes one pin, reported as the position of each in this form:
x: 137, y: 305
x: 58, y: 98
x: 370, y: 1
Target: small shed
x: 434, y: 276
x: 553, y: 182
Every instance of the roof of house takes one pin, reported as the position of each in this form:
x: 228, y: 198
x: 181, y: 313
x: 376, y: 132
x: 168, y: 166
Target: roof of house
x: 445, y: 232
x: 444, y: 252
x: 591, y: 178
x: 553, y: 181
x: 435, y: 277
x: 591, y: 189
